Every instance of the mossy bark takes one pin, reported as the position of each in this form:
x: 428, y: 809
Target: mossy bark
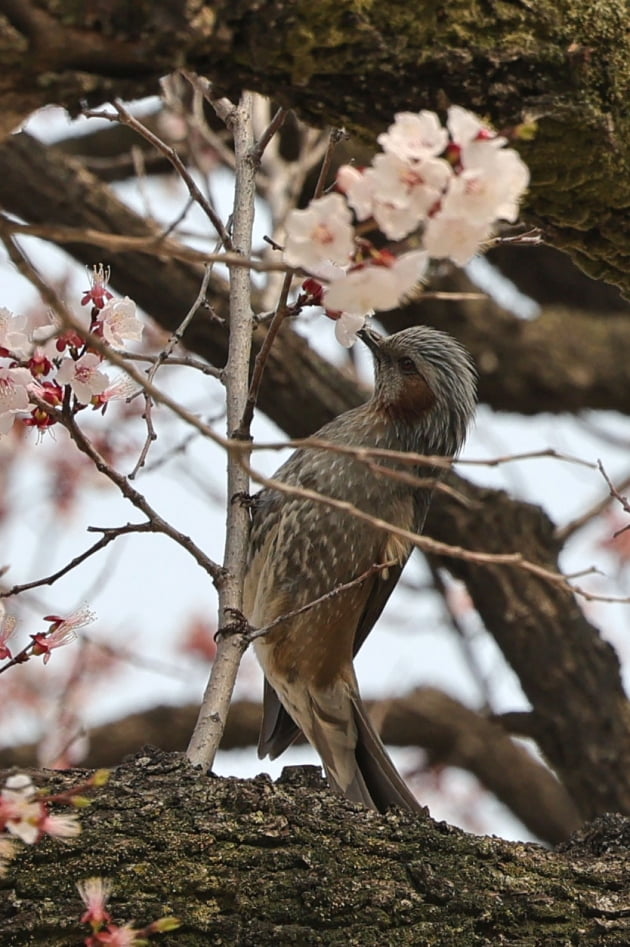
x: 249, y: 864
x: 563, y: 69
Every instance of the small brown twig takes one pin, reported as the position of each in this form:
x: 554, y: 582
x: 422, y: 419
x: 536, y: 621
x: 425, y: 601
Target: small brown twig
x: 256, y: 633
x: 53, y: 577
x: 159, y: 525
x: 435, y: 547
x: 614, y: 492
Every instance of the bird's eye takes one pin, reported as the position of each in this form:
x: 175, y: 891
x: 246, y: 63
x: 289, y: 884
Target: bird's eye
x: 408, y: 366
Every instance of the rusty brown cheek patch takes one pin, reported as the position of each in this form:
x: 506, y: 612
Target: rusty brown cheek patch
x: 414, y: 398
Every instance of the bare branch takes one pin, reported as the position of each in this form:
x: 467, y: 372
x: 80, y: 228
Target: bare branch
x: 428, y: 545
x: 122, y: 115
x: 159, y: 524
x: 214, y: 708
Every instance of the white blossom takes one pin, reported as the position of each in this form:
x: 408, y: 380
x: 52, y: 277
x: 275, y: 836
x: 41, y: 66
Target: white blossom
x: 370, y: 287
x: 323, y: 231
x: 83, y: 376
x: 13, y: 395
x: 414, y: 136
x: 502, y: 174
x: 120, y: 321
x: 405, y: 192
x: 14, y: 336
x: 454, y: 237
x: 358, y: 186
x: 466, y: 127
x: 346, y: 328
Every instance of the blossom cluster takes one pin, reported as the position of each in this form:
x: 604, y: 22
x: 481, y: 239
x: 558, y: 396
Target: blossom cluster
x: 451, y: 183
x: 39, y: 375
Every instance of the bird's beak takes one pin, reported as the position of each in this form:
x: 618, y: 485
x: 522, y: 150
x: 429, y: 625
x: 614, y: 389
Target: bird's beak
x: 372, y: 339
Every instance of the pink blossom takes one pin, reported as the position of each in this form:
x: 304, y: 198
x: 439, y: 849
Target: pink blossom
x: 114, y: 936
x: 502, y: 173
x: 61, y: 826
x: 414, y: 136
x: 20, y: 812
x: 7, y: 627
x: 358, y: 186
x: 51, y: 393
x: 322, y: 232
x: 465, y: 127
x: 119, y: 322
x: 98, y: 294
x: 13, y: 395
x: 405, y: 192
x: 83, y: 376
x: 94, y: 893
x: 120, y: 389
x: 61, y: 632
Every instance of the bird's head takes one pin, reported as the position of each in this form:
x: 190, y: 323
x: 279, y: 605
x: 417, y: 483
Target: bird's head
x: 424, y: 380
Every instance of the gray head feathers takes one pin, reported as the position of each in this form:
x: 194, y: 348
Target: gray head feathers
x: 426, y: 381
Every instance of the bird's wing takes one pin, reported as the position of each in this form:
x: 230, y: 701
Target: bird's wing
x: 278, y: 729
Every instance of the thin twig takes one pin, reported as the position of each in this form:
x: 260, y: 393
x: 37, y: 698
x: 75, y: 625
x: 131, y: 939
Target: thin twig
x: 126, y: 118
x: 256, y: 633
x: 563, y: 533
x: 187, y: 361
x: 274, y: 126
x: 428, y: 545
x: 178, y: 334
x: 51, y: 579
x: 155, y: 245
x: 262, y: 356
x: 615, y: 494
x: 159, y: 524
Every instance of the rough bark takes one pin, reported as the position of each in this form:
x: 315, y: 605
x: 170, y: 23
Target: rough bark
x: 566, y: 69
x: 249, y: 863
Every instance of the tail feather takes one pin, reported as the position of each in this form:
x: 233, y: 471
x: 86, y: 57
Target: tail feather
x: 278, y: 730
x: 370, y: 776
x: 383, y: 782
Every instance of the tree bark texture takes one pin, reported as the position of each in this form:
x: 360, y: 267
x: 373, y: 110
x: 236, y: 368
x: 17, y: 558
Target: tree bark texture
x: 250, y: 863
x: 451, y: 733
x: 562, y: 69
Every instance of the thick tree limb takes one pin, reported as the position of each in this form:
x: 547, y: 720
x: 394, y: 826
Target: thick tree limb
x: 251, y: 863
x: 516, y: 62
x: 569, y: 674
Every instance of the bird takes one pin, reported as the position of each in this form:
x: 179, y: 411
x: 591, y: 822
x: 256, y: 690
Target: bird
x: 301, y: 550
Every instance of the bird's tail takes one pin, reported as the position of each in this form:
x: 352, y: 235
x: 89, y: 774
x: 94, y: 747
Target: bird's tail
x: 361, y: 770
x: 383, y: 783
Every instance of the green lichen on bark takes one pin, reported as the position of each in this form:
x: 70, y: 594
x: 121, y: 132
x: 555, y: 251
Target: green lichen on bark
x: 244, y: 862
